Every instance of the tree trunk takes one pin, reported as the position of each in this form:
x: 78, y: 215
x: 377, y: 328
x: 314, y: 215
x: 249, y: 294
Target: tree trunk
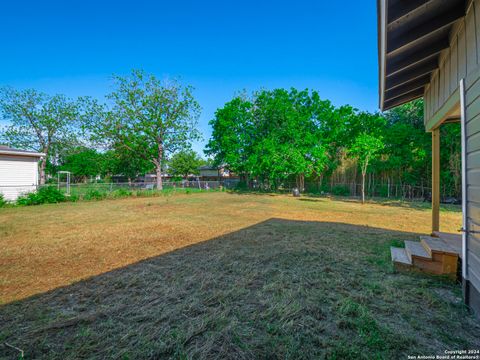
x: 363, y: 187
x: 388, y: 189
x: 158, y: 169
x: 158, y: 166
x: 41, y: 170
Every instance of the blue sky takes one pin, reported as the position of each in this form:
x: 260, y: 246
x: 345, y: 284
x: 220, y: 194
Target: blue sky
x: 219, y: 47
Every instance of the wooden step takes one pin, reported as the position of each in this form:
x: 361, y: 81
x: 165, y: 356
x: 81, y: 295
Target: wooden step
x: 454, y: 240
x: 431, y: 255
x: 437, y: 245
x: 399, y: 257
x: 414, y: 249
x: 422, y: 259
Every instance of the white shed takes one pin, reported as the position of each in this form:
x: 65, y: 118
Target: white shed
x: 18, y: 171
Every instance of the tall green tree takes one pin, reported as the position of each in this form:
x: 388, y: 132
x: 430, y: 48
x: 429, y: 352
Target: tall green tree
x: 185, y: 163
x: 407, y: 145
x: 149, y: 118
x: 39, y: 122
x: 283, y: 135
x: 232, y: 135
x: 408, y: 149
x: 289, y: 142
x: 365, y: 148
x: 274, y: 136
x: 334, y: 125
x: 127, y: 164
x: 83, y: 163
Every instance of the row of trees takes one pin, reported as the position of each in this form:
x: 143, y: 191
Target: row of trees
x: 87, y: 163
x: 288, y: 135
x: 144, y: 122
x: 271, y: 136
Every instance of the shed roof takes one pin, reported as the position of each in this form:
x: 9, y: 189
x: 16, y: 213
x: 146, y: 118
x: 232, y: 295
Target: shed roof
x: 6, y: 150
x: 411, y: 35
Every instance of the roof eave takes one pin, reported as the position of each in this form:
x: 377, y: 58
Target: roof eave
x: 382, y: 44
x: 410, y: 45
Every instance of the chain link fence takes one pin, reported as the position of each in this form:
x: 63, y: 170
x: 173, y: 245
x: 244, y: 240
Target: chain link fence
x: 391, y: 191
x: 82, y: 188
x: 101, y: 190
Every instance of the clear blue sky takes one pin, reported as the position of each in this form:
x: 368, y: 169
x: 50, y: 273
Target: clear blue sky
x: 220, y: 47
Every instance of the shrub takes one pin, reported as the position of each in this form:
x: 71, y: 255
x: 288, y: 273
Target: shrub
x: 340, y: 190
x: 45, y: 195
x: 144, y: 193
x: 73, y: 198
x: 3, y: 202
x: 93, y: 194
x: 120, y: 193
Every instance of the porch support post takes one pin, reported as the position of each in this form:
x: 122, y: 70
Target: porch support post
x: 436, y: 179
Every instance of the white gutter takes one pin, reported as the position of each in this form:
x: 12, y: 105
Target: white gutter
x: 22, y: 153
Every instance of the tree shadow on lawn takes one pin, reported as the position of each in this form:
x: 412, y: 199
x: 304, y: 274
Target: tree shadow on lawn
x: 278, y: 289
x: 420, y: 205
x: 308, y: 199
x: 409, y: 204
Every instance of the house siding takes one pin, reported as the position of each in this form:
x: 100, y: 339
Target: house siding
x: 472, y: 103
x: 18, y: 175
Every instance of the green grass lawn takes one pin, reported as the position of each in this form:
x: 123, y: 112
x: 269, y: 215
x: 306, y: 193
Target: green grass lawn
x: 220, y: 275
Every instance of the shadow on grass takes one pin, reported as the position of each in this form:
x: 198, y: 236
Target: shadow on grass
x: 278, y: 289
x: 308, y: 199
x: 410, y: 204
x: 415, y: 204
x: 256, y: 192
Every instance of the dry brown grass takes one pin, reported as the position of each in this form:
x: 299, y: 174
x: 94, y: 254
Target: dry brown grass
x: 54, y: 245
x: 227, y: 276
